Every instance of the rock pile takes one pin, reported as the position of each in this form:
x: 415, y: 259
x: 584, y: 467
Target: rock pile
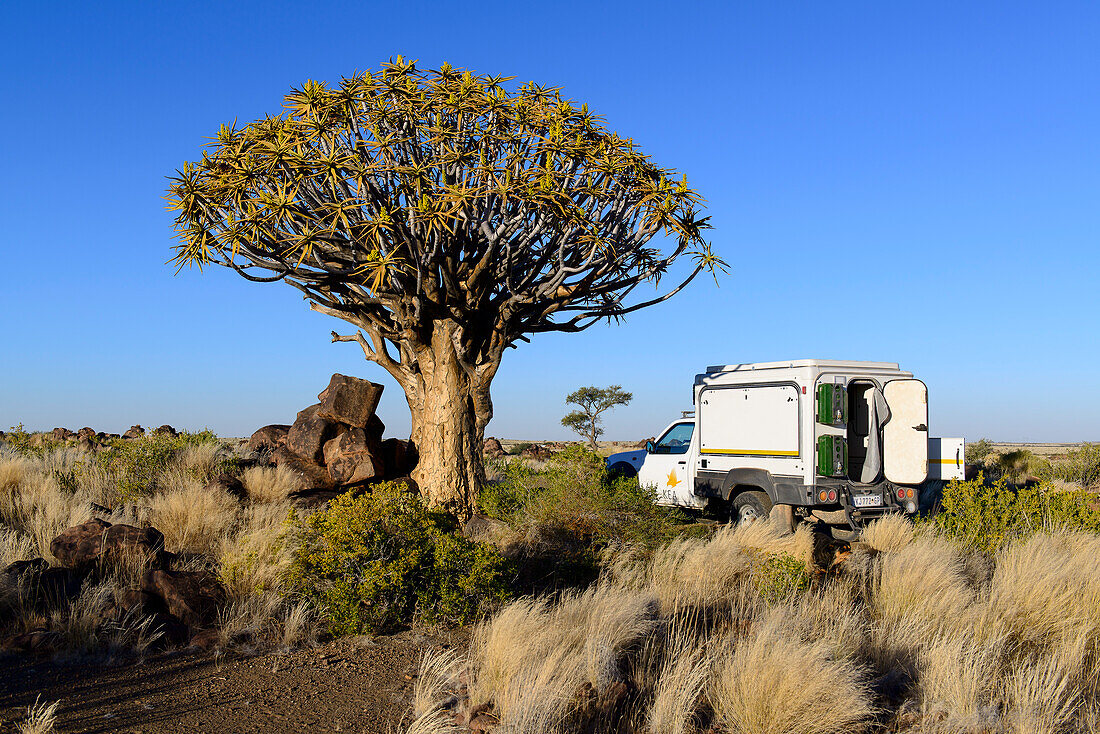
x: 183, y: 605
x: 338, y: 442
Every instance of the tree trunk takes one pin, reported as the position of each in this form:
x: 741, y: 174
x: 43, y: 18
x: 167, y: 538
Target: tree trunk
x: 450, y: 406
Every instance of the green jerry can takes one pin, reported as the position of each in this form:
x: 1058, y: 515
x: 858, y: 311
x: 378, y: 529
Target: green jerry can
x: 832, y: 405
x: 832, y: 456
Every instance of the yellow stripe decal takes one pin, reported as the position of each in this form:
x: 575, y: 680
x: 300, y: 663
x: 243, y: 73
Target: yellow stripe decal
x: 944, y: 461
x: 750, y: 452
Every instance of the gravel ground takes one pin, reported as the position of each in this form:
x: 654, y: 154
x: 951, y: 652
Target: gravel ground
x: 350, y: 685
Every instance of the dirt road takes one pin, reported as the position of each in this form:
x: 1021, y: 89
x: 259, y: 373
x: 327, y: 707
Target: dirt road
x: 351, y: 685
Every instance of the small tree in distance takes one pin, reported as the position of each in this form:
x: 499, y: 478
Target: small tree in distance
x: 593, y: 401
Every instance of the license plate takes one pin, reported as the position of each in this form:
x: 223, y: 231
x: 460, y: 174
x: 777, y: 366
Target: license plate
x: 867, y: 500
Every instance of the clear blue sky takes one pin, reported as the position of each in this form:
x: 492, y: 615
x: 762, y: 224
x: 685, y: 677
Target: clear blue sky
x: 906, y: 181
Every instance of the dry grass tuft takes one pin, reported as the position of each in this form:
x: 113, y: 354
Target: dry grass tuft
x: 437, y: 680
x: 775, y: 683
x: 889, y: 534
x: 41, y: 717
x: 191, y: 517
x: 270, y: 484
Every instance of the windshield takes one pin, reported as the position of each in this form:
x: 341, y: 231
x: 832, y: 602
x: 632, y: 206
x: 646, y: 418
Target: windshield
x: 676, y: 440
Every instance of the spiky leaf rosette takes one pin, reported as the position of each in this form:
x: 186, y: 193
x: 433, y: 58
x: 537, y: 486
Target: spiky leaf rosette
x: 406, y: 196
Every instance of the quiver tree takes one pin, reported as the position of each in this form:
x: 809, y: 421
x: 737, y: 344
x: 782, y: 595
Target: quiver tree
x: 445, y: 216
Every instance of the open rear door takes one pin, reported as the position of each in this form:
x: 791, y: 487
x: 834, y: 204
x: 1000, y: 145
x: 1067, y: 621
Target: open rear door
x: 905, y: 435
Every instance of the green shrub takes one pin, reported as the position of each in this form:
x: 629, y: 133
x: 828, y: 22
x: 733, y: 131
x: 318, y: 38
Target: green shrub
x: 519, y: 448
x: 977, y: 451
x: 1081, y: 466
x: 779, y: 577
x: 136, y: 464
x: 383, y: 559
x: 986, y: 516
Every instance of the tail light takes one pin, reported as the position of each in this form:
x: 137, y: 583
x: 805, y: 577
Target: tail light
x: 832, y: 495
x: 901, y: 494
x: 909, y: 493
x: 823, y: 495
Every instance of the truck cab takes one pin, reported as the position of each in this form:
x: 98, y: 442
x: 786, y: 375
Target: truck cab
x: 840, y: 442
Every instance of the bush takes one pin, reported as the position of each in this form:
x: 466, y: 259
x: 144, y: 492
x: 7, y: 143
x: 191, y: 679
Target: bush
x: 977, y: 451
x: 1081, y: 466
x: 136, y: 464
x: 383, y: 559
x: 988, y: 516
x: 780, y: 576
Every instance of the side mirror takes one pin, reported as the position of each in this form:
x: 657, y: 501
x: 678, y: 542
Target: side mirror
x: 649, y: 447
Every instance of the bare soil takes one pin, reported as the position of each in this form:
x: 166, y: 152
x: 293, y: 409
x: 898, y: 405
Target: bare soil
x: 351, y: 685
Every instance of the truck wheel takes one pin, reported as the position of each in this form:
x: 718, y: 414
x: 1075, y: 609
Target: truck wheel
x: 749, y: 506
x: 622, y: 469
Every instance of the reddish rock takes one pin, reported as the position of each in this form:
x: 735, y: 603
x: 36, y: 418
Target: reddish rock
x: 313, y: 476
x: 205, y: 639
x: 492, y: 448
x: 135, y: 432
x: 165, y: 430
x: 191, y: 596
x: 86, y: 432
x: 269, y: 438
x: 80, y: 546
x: 84, y: 443
x: 349, y: 458
x: 62, y: 434
x: 397, y: 457
x: 36, y: 641
x: 309, y: 433
x: 229, y: 484
x: 374, y: 429
x: 534, y: 451
x: 84, y: 545
x: 483, y: 723
x: 349, y: 400
x: 25, y: 569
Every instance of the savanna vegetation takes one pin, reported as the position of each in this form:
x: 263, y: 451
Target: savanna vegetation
x: 593, y: 609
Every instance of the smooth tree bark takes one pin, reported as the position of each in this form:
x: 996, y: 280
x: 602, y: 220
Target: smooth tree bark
x: 445, y: 216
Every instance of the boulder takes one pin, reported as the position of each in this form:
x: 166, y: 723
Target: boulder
x: 269, y: 438
x: 349, y: 400
x: 349, y: 458
x: 62, y: 434
x: 35, y: 641
x: 86, y: 443
x: 56, y: 586
x: 493, y: 448
x: 191, y: 596
x: 397, y: 457
x: 80, y: 546
x: 86, y: 432
x: 534, y: 451
x: 374, y: 429
x: 205, y: 640
x: 313, y: 476
x: 165, y: 430
x: 309, y: 433
x: 135, y: 432
x: 83, y: 546
x: 25, y: 570
x: 227, y: 483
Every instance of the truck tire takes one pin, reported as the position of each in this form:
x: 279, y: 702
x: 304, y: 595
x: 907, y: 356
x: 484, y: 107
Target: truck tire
x: 750, y: 505
x: 622, y: 469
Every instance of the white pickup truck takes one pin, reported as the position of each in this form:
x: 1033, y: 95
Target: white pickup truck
x: 842, y: 442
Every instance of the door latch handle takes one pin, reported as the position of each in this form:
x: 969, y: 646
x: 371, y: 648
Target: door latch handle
x: 681, y: 463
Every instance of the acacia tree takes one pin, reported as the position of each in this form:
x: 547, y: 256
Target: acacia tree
x: 593, y: 402
x: 445, y: 216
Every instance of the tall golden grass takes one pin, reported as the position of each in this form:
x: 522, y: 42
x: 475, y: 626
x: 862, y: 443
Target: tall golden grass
x: 910, y: 633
